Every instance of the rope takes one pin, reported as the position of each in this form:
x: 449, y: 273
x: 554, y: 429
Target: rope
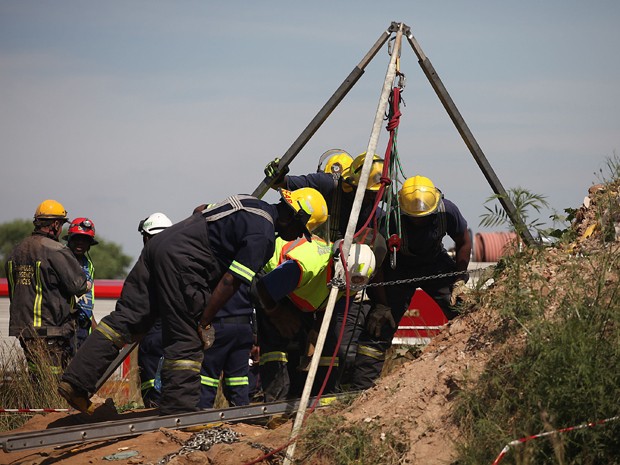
x: 548, y: 433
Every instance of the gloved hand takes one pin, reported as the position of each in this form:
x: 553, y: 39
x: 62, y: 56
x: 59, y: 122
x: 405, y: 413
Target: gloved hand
x: 273, y: 172
x: 207, y: 335
x: 458, y: 290
x: 83, y: 320
x: 379, y: 315
x: 286, y: 320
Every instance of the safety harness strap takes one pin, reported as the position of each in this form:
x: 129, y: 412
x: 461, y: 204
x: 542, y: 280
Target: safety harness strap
x: 236, y: 205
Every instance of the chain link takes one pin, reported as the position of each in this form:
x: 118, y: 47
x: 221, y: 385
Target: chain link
x: 203, y: 441
x: 340, y: 284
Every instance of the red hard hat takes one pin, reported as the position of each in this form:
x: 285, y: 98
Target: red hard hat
x: 82, y: 226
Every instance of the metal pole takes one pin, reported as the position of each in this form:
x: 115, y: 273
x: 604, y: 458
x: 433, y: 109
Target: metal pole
x: 324, y: 112
x: 469, y: 140
x: 348, y: 238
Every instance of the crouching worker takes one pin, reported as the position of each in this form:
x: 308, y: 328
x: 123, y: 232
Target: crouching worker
x: 184, y: 275
x: 293, y: 296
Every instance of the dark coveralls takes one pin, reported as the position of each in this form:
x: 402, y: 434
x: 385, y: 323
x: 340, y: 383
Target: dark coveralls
x: 173, y: 279
x: 339, y: 205
x: 150, y: 352
x: 230, y: 353
x: 421, y: 254
x: 43, y: 277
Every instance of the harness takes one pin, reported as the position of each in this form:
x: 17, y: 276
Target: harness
x: 440, y: 227
x: 236, y: 204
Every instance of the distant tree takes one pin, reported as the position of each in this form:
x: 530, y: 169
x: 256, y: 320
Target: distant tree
x: 108, y: 257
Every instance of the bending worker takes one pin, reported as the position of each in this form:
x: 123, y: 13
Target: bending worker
x: 151, y: 347
x: 184, y: 275
x: 293, y: 296
x: 425, y: 218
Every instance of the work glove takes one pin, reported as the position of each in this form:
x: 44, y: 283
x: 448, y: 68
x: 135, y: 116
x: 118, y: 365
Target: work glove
x: 286, y: 320
x: 379, y: 315
x: 274, y: 173
x: 83, y: 320
x: 207, y: 335
x: 458, y: 290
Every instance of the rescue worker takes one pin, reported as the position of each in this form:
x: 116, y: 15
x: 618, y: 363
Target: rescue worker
x: 44, y: 277
x: 293, y: 295
x: 80, y: 238
x: 151, y: 348
x: 337, y: 183
x: 425, y: 217
x: 184, y: 275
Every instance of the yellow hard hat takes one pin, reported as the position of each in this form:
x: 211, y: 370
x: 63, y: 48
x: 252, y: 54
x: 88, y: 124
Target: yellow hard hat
x: 50, y: 210
x: 309, y: 206
x: 338, y: 162
x: 419, y: 196
x: 376, y: 171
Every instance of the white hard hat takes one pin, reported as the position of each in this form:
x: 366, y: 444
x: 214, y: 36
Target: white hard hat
x: 154, y: 224
x: 361, y: 264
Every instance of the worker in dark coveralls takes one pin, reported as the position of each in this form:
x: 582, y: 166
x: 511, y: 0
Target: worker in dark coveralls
x: 425, y: 217
x: 184, y: 275
x: 44, y: 277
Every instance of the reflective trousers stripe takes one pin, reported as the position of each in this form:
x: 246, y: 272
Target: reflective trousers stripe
x: 327, y: 361
x: 211, y: 382
x: 370, y: 352
x: 273, y: 357
x: 147, y: 385
x: 237, y: 381
x: 111, y: 334
x: 189, y: 365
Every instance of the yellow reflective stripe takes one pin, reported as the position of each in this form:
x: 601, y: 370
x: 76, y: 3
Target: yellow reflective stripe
x: 38, y: 298
x: 56, y: 370
x: 111, y: 334
x: 241, y: 270
x: 327, y: 361
x: 147, y: 385
x: 91, y: 270
x: 211, y: 382
x: 237, y: 381
x: 190, y: 365
x: 273, y: 357
x: 371, y: 352
x: 10, y: 277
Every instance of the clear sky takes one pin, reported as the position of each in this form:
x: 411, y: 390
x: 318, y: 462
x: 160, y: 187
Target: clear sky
x: 120, y: 109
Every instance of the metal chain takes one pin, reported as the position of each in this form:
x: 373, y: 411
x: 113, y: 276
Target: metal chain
x: 203, y: 441
x: 340, y: 284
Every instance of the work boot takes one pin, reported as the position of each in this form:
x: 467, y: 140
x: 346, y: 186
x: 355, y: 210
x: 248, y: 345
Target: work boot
x: 75, y: 397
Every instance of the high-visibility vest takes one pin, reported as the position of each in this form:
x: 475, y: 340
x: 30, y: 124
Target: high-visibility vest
x: 316, y: 265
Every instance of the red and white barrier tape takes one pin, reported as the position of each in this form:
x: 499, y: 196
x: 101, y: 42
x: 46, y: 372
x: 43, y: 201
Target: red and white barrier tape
x: 548, y: 433
x: 32, y: 410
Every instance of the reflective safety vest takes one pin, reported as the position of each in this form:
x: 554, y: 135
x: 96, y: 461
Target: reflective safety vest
x: 315, y: 260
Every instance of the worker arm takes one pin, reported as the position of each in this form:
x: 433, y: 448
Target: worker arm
x: 71, y: 278
x: 225, y: 289
x: 462, y: 247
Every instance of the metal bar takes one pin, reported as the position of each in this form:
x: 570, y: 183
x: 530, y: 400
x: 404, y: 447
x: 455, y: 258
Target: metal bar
x: 469, y: 140
x: 122, y: 355
x: 348, y: 238
x: 324, y: 113
x: 134, y: 426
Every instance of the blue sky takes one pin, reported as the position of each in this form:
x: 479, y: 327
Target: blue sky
x: 120, y: 109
